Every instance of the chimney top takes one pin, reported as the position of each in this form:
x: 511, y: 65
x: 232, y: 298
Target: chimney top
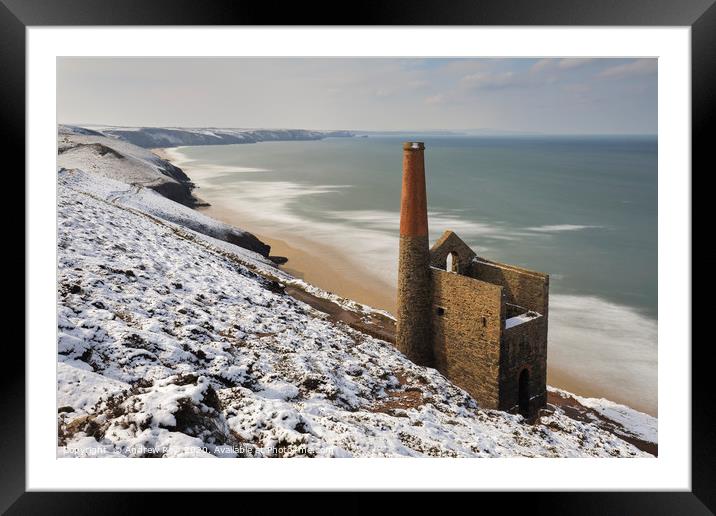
x: 413, y: 146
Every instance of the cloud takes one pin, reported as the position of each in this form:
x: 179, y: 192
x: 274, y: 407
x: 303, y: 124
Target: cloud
x: 581, y: 93
x: 418, y: 84
x: 464, y: 66
x: 359, y: 93
x: 493, y: 81
x: 542, y: 64
x: 632, y: 69
x: 568, y: 63
x: 436, y: 99
x: 577, y: 88
x: 400, y: 87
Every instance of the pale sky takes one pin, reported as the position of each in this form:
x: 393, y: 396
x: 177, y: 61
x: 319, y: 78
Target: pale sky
x: 553, y: 96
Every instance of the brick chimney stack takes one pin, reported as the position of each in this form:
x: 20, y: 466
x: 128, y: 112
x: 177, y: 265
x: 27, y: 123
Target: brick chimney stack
x: 414, y: 337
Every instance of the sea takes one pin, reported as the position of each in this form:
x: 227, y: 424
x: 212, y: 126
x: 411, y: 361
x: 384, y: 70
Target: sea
x: 583, y: 209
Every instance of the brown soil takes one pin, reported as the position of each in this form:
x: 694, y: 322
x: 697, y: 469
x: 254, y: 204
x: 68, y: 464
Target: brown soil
x: 375, y: 325
x: 407, y: 396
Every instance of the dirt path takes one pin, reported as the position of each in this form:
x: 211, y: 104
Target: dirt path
x: 375, y: 325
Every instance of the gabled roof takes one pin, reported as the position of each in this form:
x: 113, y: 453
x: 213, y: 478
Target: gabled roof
x: 448, y: 243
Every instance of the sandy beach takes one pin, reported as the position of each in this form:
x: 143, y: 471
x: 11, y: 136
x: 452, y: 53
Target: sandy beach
x: 315, y: 262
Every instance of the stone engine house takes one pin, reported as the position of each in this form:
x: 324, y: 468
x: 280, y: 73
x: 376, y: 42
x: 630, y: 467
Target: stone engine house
x: 481, y: 323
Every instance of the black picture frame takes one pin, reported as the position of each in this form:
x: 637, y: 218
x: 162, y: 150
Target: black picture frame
x: 700, y: 15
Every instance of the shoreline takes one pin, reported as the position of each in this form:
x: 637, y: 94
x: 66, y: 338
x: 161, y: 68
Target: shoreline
x: 328, y: 268
x: 317, y: 263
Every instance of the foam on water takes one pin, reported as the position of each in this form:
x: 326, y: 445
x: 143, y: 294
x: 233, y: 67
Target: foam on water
x: 561, y: 227
x: 608, y: 346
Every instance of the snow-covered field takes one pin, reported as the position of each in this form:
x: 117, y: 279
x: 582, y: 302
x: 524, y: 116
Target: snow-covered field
x: 626, y: 420
x: 169, y: 345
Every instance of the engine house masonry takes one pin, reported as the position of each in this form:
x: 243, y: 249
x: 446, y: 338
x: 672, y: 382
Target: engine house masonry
x: 481, y: 323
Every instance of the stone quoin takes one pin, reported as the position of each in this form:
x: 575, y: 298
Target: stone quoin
x: 481, y: 323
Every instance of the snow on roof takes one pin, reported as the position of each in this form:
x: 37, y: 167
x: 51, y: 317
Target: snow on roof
x: 520, y: 319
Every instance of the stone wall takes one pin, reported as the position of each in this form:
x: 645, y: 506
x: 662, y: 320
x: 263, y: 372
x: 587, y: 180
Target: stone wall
x: 468, y: 339
x: 448, y: 243
x: 524, y: 347
x: 523, y: 287
x: 467, y: 324
x: 413, y: 333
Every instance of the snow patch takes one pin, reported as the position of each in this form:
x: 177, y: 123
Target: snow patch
x: 520, y: 319
x: 639, y: 424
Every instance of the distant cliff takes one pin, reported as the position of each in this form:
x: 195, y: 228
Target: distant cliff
x: 153, y: 137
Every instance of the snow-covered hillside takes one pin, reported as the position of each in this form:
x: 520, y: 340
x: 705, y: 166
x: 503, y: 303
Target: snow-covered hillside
x: 174, y: 343
x: 153, y: 137
x: 118, y: 159
x: 134, y: 177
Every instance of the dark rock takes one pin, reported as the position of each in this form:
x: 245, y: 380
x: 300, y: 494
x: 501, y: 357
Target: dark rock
x: 248, y: 241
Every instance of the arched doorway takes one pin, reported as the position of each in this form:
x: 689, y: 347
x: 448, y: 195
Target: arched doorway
x: 451, y: 262
x: 523, y: 395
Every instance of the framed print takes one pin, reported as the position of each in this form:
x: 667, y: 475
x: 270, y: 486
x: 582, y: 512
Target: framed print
x: 418, y: 249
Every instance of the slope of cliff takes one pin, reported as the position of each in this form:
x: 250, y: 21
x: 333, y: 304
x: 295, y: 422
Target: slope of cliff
x: 137, y: 178
x: 173, y: 343
x: 117, y: 159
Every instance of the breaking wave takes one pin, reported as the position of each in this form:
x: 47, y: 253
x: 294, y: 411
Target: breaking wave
x: 608, y: 346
